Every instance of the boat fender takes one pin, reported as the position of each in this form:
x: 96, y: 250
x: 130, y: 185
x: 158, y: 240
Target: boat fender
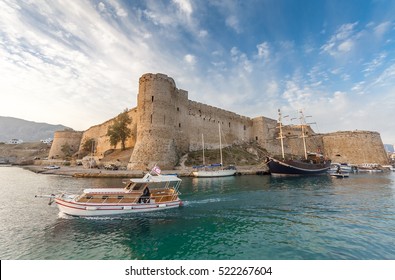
x: 127, y: 207
x: 162, y: 205
x: 90, y: 208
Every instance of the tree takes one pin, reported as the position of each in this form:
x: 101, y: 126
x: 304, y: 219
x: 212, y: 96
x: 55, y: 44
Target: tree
x: 119, y: 131
x: 89, y: 145
x: 67, y: 150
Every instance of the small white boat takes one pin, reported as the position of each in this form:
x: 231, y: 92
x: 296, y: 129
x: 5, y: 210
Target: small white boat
x: 214, y: 170
x: 50, y: 167
x: 150, y: 193
x: 340, y: 175
x: 209, y: 171
x: 344, y: 167
x: 370, y: 167
x: 389, y: 167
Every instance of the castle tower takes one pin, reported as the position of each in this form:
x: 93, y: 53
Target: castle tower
x: 62, y: 138
x: 158, y: 124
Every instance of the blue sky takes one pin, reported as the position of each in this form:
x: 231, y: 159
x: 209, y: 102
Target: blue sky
x: 77, y: 63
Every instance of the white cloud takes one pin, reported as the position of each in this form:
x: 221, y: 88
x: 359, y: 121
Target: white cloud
x: 233, y: 22
x: 345, y: 46
x: 382, y: 28
x: 185, y: 6
x: 374, y: 63
x: 190, y: 59
x: 203, y: 33
x: 342, y: 41
x: 263, y: 50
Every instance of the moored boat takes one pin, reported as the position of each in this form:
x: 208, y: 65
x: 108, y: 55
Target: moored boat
x: 299, y: 166
x: 370, y: 167
x: 311, y: 164
x: 214, y: 170
x: 205, y: 171
x: 337, y: 171
x: 340, y: 175
x: 150, y: 193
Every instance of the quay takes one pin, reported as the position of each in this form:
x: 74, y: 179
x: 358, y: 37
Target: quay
x: 80, y: 172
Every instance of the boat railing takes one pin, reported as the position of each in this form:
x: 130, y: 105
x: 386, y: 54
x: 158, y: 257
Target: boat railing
x: 108, y: 199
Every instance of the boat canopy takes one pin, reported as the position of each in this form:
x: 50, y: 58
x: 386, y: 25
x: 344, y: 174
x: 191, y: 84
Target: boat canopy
x: 148, y: 178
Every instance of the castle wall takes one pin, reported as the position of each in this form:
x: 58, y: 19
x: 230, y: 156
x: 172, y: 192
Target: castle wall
x: 61, y: 138
x: 209, y: 121
x: 356, y: 147
x: 99, y: 134
x: 169, y: 124
x: 265, y: 134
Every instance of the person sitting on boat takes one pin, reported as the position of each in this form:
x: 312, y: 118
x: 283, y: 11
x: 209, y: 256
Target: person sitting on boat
x: 339, y: 170
x: 145, y: 198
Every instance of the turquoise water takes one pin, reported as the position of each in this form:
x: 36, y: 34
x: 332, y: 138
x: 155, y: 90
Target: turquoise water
x: 244, y: 217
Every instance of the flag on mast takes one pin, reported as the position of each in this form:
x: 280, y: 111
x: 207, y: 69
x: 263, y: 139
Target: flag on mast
x: 156, y: 169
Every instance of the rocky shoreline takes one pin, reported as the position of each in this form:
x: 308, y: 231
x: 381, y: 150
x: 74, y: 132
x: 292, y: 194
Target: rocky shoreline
x: 80, y: 172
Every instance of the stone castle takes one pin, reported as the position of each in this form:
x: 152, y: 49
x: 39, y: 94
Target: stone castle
x: 166, y: 124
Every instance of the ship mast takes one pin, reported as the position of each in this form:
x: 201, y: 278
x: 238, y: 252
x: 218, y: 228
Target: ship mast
x: 220, y: 144
x: 303, y: 136
x: 281, y: 136
x: 203, y: 149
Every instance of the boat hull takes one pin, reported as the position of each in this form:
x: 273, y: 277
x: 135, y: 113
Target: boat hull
x: 213, y: 173
x: 291, y: 167
x: 73, y: 208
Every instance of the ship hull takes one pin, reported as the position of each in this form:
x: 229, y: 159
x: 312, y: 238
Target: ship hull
x: 293, y: 167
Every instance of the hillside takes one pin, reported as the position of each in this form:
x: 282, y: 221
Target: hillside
x: 28, y: 131
x: 23, y: 153
x: 240, y: 155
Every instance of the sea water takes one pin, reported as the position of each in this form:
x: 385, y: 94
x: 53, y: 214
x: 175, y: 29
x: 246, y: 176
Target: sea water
x: 242, y: 217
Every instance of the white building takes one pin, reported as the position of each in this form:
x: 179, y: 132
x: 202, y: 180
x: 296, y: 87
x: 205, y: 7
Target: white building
x: 15, y: 141
x: 47, y: 141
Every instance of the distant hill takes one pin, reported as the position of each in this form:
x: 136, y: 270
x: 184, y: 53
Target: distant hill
x: 28, y: 131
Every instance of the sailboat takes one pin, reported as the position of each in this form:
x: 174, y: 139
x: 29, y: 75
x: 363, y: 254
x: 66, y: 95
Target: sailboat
x: 214, y: 170
x: 311, y: 164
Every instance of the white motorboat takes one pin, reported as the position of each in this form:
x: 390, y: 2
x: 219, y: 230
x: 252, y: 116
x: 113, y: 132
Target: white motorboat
x: 370, y: 167
x: 340, y: 175
x: 150, y: 193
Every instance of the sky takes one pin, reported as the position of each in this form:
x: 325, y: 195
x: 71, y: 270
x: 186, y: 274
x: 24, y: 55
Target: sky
x: 78, y: 63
